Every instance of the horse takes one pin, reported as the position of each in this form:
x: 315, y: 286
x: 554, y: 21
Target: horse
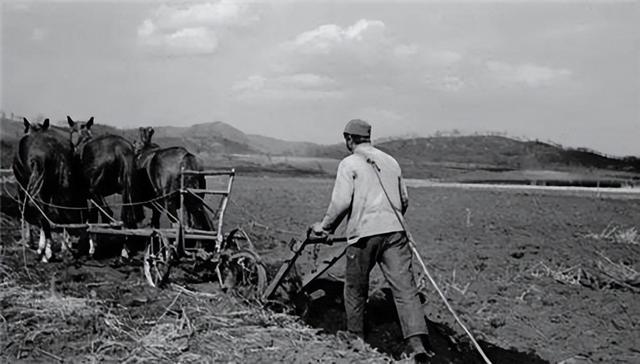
x: 43, y: 167
x: 105, y: 165
x: 158, y: 173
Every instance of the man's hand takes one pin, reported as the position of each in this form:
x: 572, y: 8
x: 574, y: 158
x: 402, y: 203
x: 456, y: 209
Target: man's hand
x: 317, y: 232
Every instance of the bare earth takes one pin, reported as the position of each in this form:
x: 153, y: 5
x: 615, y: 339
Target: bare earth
x: 537, y: 278
x: 537, y: 273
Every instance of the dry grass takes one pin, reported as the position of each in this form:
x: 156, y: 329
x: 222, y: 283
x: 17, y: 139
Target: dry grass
x: 204, y: 327
x: 186, y: 327
x: 33, y: 319
x: 567, y: 275
x: 618, y: 235
x: 602, y: 273
x: 618, y: 274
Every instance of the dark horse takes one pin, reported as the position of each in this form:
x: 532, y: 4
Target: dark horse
x: 42, y: 166
x: 105, y: 166
x: 158, y: 174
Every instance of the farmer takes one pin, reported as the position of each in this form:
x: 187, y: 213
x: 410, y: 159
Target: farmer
x: 374, y: 234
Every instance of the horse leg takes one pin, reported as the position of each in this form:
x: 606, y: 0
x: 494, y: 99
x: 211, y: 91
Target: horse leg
x: 92, y: 246
x: 155, y: 217
x: 45, y: 232
x: 26, y: 239
x: 25, y: 227
x: 124, y: 253
x: 172, y: 208
x: 197, y: 214
x: 41, y: 242
x: 66, y: 242
x: 201, y: 218
x: 92, y: 217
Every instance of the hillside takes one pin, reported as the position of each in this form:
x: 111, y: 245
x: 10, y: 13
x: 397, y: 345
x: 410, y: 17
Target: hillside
x: 220, y: 144
x: 453, y: 154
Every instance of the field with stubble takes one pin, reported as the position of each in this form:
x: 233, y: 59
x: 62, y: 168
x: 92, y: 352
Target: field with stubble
x: 550, y: 274
x: 536, y: 277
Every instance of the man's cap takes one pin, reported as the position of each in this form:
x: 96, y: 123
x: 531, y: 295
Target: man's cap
x: 358, y: 127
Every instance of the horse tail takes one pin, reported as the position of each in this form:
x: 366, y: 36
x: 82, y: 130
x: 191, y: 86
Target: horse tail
x: 193, y: 204
x: 130, y: 214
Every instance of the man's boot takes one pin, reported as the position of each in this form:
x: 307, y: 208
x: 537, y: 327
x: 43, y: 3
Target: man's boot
x: 417, y: 350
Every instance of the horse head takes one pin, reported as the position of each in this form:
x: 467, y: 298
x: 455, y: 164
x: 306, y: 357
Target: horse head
x: 79, y: 132
x: 145, y: 135
x: 32, y: 128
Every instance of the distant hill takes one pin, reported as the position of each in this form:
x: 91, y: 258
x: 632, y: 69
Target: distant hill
x: 220, y: 144
x: 275, y: 146
x: 436, y: 155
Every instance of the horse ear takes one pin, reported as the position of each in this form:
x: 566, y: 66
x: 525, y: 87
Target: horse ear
x: 27, y: 125
x: 89, y: 123
x: 70, y: 121
x: 151, y: 131
x: 45, y: 124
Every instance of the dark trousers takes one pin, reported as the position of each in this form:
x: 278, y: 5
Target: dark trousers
x: 393, y: 253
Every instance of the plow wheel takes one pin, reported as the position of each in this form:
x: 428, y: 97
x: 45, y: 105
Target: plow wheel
x: 242, y: 272
x: 158, y: 257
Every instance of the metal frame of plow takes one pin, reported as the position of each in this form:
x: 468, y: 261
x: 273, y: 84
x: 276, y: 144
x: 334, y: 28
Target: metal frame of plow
x: 297, y: 247
x: 157, y: 266
x: 194, y: 192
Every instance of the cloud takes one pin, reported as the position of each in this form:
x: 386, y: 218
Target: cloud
x: 194, y: 29
x: 365, y: 56
x: 329, y: 37
x: 296, y: 86
x: 528, y: 74
x: 365, y: 53
x: 209, y: 14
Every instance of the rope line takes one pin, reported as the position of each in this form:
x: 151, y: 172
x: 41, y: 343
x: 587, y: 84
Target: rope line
x: 102, y: 210
x: 89, y: 208
x: 412, y: 244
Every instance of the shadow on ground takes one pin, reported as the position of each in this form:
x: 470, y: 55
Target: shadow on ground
x: 384, y: 333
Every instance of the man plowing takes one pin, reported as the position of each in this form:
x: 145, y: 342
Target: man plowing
x: 374, y: 234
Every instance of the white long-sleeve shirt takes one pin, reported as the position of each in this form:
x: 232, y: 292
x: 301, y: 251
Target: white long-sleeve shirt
x: 357, y: 194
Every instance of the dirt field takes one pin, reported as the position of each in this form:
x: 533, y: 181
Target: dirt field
x: 545, y: 274
x: 537, y: 279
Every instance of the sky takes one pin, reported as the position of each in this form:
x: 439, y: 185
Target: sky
x: 563, y: 71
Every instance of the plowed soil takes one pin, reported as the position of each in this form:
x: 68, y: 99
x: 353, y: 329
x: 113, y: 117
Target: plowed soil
x: 536, y: 278
x: 552, y: 275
